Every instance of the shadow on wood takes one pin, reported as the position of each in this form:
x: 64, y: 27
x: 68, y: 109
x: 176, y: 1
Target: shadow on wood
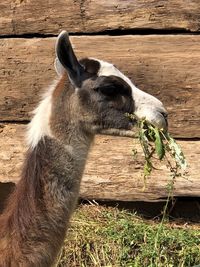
x: 183, y: 208
x: 187, y: 208
x: 5, y: 190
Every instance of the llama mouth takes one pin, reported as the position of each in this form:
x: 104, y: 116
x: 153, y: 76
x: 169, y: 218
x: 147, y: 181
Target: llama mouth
x: 159, y: 120
x: 133, y: 132
x: 156, y: 117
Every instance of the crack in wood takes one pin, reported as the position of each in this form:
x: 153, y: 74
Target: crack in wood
x: 116, y: 32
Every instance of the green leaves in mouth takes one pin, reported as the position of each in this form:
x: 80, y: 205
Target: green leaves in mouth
x: 157, y: 143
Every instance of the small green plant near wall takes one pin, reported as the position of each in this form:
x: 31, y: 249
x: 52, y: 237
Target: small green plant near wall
x: 159, y: 144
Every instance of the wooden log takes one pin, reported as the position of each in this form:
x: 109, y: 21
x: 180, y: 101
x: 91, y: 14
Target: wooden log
x: 165, y: 66
x: 48, y: 17
x: 111, y: 172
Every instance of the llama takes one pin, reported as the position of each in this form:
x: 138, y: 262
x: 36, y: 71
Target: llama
x: 90, y: 96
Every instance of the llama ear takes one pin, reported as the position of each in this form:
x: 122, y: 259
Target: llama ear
x: 60, y: 70
x: 67, y: 58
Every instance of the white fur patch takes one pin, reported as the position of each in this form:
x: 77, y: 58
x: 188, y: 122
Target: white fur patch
x: 60, y: 70
x: 146, y: 106
x: 39, y: 125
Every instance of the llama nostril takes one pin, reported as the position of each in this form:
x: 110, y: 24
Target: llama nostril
x: 165, y: 116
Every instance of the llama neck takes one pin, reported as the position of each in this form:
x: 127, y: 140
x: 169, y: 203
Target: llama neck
x: 35, y: 221
x: 33, y: 225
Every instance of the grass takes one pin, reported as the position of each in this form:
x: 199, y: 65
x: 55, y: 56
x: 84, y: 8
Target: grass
x: 108, y: 237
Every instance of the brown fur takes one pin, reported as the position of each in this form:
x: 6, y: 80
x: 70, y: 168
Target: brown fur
x: 35, y: 221
x: 60, y: 86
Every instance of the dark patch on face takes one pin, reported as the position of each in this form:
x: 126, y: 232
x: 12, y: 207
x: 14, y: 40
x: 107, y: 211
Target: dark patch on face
x: 112, y: 85
x: 108, y: 98
x: 91, y: 66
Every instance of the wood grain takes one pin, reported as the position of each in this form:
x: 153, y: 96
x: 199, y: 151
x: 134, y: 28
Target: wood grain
x: 48, y: 17
x: 111, y: 172
x: 166, y: 66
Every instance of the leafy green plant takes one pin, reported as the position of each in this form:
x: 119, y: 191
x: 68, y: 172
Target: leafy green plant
x: 157, y: 143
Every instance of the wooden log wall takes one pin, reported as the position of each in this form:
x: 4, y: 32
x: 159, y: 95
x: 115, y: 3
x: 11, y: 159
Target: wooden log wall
x: 154, y: 42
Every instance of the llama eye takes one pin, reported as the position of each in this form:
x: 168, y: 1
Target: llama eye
x: 111, y: 86
x: 108, y: 90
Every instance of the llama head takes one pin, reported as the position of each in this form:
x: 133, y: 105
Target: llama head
x: 103, y: 94
x: 96, y: 97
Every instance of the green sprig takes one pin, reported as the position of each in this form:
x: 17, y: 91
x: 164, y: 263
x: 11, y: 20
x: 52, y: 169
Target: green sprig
x: 158, y: 143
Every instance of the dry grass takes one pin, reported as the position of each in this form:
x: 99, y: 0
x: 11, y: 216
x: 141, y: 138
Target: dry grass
x: 108, y: 237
